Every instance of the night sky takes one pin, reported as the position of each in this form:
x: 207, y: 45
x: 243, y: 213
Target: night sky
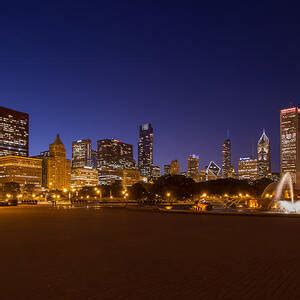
x: 98, y: 69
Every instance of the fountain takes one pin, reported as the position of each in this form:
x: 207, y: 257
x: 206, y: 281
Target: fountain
x: 284, y: 205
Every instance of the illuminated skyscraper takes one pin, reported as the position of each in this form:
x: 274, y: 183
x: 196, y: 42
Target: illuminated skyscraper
x: 155, y: 173
x: 247, y: 169
x: 193, y: 167
x: 82, y: 153
x: 145, y: 150
x: 58, y: 167
x: 263, y: 156
x: 290, y: 143
x: 226, y: 161
x: 213, y: 171
x: 94, y: 155
x: 14, y: 132
x: 114, y: 154
x: 174, y: 167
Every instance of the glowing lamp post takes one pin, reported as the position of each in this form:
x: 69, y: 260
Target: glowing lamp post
x: 168, y: 194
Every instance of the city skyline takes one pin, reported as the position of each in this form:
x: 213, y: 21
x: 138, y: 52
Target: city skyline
x: 149, y: 149
x: 251, y: 152
x: 101, y: 75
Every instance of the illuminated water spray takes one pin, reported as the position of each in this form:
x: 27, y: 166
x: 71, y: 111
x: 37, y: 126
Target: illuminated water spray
x: 286, y: 206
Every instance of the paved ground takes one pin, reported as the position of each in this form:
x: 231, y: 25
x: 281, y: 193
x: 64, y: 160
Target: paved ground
x: 119, y: 254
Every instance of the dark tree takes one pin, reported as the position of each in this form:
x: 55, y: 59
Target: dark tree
x: 139, y: 191
x: 12, y: 188
x: 116, y: 189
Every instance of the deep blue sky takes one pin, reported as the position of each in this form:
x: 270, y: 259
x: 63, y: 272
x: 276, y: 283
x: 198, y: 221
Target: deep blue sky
x: 98, y: 69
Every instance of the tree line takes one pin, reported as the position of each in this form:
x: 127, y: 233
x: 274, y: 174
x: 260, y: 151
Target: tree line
x: 179, y: 187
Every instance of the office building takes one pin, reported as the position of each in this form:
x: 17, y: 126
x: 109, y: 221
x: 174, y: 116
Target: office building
x: 226, y: 157
x: 14, y: 132
x: 248, y: 169
x: 263, y: 156
x: 202, y: 175
x: 127, y: 177
x: 174, y: 167
x: 94, y: 159
x: 155, y: 172
x: 114, y: 154
x: 82, y: 153
x: 130, y: 177
x: 193, y: 167
x: 145, y: 149
x: 57, y: 167
x: 22, y: 170
x: 290, y: 143
x: 84, y: 176
x: 167, y: 169
x: 213, y: 171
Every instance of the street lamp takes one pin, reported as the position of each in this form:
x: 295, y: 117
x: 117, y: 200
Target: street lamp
x: 168, y: 196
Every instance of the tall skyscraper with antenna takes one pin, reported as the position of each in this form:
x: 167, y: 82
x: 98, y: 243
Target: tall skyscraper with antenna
x: 226, y: 156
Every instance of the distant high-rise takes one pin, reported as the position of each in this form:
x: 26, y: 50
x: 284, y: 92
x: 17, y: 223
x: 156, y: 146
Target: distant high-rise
x: 247, y: 169
x: 167, y: 169
x: 14, y: 132
x: 226, y: 159
x: 174, y: 167
x: 145, y: 150
x: 290, y: 143
x: 114, y: 154
x: 263, y: 156
x: 213, y: 171
x: 94, y: 156
x: 193, y: 167
x: 82, y: 153
x: 155, y: 173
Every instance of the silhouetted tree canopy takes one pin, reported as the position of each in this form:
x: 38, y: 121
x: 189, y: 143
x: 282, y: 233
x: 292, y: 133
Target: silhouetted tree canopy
x: 181, y: 188
x: 12, y: 188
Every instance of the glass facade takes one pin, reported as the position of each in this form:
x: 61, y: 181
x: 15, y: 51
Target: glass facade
x: 193, y: 167
x: 14, y: 132
x: 114, y: 154
x: 85, y: 176
x: 263, y: 156
x: 213, y: 171
x: 289, y: 143
x: 145, y: 149
x: 248, y: 169
x: 155, y: 172
x: 226, y: 155
x: 82, y: 153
